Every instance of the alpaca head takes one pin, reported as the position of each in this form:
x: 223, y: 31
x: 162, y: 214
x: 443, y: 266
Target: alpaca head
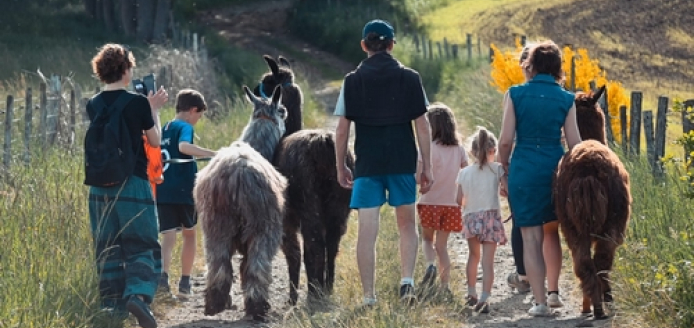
x: 280, y: 74
x: 589, y: 115
x: 268, y: 109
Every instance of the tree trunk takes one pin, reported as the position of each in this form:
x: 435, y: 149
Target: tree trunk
x: 128, y: 18
x: 90, y: 7
x: 161, y: 21
x: 109, y: 19
x: 99, y: 10
x: 145, y: 19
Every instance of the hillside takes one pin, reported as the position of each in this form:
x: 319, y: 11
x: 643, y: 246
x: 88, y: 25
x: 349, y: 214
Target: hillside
x: 646, y: 44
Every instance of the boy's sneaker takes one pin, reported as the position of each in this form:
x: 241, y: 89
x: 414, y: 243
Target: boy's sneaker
x: 554, y: 301
x: 141, y: 311
x: 407, y: 294
x: 514, y: 281
x: 184, y: 290
x: 429, y: 276
x: 164, y: 283
x: 540, y: 310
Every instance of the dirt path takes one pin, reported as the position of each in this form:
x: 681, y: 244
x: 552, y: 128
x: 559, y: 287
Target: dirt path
x: 255, y: 28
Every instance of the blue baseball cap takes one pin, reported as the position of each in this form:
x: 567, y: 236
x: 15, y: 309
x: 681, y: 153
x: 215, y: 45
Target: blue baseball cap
x: 380, y: 27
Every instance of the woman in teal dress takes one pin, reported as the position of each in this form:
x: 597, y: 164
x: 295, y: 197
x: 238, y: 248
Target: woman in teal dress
x: 535, y: 113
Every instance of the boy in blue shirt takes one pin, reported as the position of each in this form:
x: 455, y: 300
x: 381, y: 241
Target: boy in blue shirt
x: 175, y: 195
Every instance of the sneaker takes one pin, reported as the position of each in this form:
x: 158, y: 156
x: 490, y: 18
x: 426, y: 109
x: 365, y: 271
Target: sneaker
x: 407, y: 293
x: 554, y: 301
x: 540, y: 310
x: 429, y: 276
x: 482, y: 307
x: 471, y: 300
x: 164, y: 283
x: 184, y: 290
x: 514, y: 281
x: 141, y: 311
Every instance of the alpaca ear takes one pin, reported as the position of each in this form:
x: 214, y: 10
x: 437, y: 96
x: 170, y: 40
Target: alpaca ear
x: 272, y: 64
x: 250, y: 96
x: 598, y: 94
x: 277, y: 95
x: 284, y: 62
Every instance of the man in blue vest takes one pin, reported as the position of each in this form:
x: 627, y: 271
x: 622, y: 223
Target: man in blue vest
x: 382, y: 97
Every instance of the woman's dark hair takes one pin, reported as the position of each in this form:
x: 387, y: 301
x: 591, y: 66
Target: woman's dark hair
x: 111, y: 62
x: 443, y: 125
x: 545, y: 58
x: 373, y: 43
x: 482, y: 142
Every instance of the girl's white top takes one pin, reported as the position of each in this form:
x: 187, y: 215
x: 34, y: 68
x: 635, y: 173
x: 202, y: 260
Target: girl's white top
x: 480, y: 187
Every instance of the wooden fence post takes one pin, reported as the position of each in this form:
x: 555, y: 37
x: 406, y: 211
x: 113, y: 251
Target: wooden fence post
x: 491, y: 54
x: 660, y: 132
x: 7, y: 149
x: 43, y: 102
x: 468, y: 39
x: 28, y: 116
x: 479, y: 47
x: 454, y: 50
x: 650, y: 147
x: 635, y: 133
x: 608, y: 118
x: 415, y: 39
x: 687, y: 124
x: 573, y: 73
x: 431, y: 49
x: 73, y: 118
x: 438, y: 45
x: 53, y: 120
x: 623, y: 127
x: 523, y: 40
x: 445, y: 48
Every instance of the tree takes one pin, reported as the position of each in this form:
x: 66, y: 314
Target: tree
x: 90, y: 7
x: 109, y: 15
x: 161, y: 21
x: 145, y: 19
x: 128, y: 17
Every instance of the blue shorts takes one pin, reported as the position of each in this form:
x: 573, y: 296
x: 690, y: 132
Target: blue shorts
x: 368, y: 192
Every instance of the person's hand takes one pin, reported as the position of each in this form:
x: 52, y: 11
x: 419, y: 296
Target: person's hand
x: 344, y: 177
x: 156, y: 100
x: 426, y: 180
x: 503, y: 187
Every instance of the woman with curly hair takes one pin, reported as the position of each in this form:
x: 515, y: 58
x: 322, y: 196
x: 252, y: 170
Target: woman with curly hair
x: 123, y: 216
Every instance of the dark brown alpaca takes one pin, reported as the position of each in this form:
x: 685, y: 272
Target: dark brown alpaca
x: 281, y: 74
x: 592, y: 202
x: 316, y: 204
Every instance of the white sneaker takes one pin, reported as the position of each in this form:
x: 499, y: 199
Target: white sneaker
x: 540, y: 310
x: 554, y: 301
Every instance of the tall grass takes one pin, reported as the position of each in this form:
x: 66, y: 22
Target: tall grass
x: 46, y: 260
x: 654, y: 271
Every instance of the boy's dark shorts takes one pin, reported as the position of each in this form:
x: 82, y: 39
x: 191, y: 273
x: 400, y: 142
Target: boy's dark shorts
x: 176, y: 217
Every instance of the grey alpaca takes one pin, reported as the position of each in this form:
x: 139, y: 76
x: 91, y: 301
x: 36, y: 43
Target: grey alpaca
x: 281, y: 74
x: 316, y: 204
x: 240, y: 198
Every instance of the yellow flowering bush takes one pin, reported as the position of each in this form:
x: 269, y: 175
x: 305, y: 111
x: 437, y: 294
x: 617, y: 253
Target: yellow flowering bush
x: 506, y: 72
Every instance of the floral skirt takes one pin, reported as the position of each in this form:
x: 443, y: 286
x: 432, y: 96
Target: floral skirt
x: 486, y: 226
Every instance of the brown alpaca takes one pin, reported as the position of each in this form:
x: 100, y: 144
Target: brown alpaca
x: 240, y: 198
x: 592, y: 202
x: 316, y: 204
x: 281, y: 74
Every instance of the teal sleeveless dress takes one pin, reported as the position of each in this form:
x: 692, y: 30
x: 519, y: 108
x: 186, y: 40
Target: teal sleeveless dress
x: 541, y: 106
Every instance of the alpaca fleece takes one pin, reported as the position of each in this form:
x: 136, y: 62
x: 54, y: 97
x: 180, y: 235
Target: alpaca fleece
x: 593, y: 202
